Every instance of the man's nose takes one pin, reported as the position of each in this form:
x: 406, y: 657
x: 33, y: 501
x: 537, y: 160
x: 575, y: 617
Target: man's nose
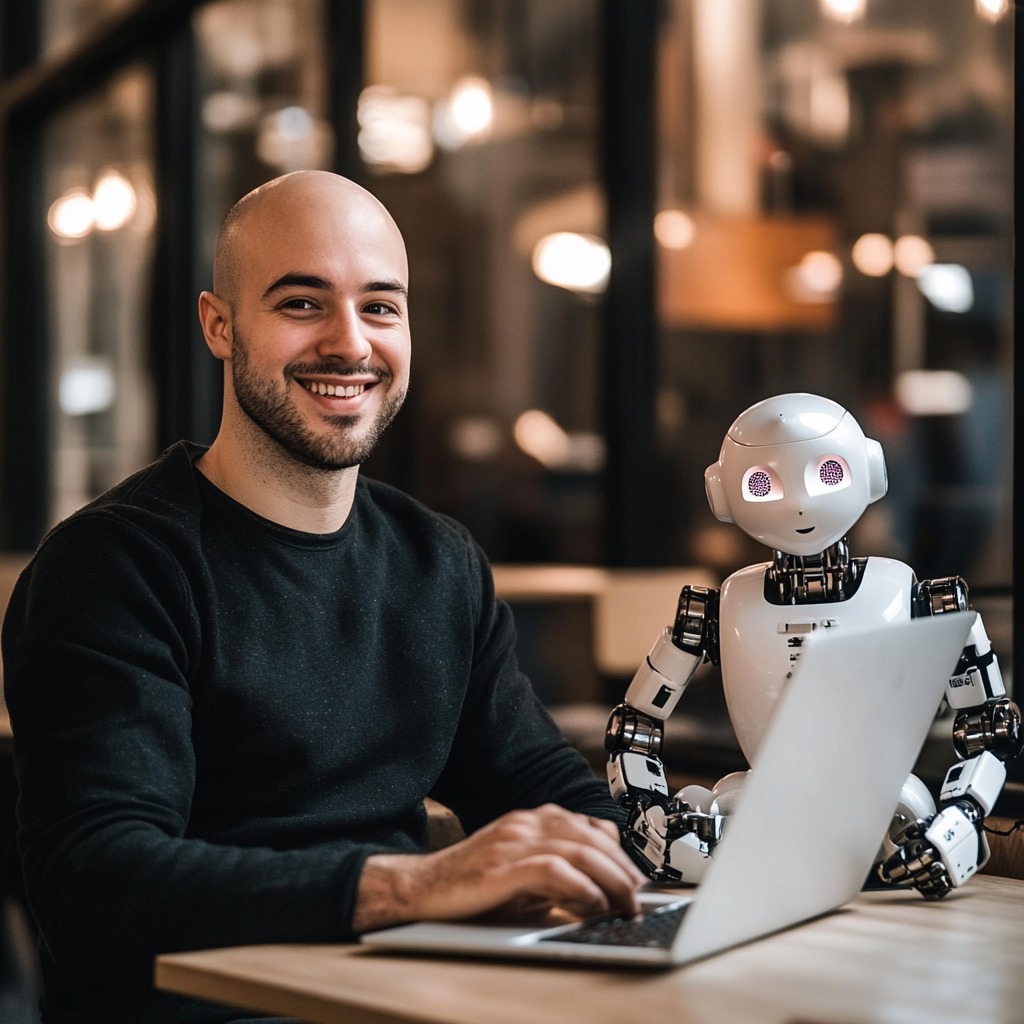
x: 345, y: 338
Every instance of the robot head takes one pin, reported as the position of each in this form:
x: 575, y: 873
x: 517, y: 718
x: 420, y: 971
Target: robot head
x: 795, y: 473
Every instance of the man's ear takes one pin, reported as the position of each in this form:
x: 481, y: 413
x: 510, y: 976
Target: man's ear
x: 215, y: 317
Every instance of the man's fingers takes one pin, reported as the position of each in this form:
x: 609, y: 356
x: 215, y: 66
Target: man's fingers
x: 608, y: 827
x: 551, y: 876
x: 557, y: 822
x: 616, y: 884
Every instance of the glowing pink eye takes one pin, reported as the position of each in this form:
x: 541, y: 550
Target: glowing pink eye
x: 759, y: 483
x: 831, y: 473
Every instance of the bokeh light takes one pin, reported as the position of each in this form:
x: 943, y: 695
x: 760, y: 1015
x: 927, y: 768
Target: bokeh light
x: 394, y: 130
x: 471, y: 106
x: 912, y: 254
x: 846, y: 11
x: 578, y: 262
x: 947, y: 286
x: 872, y: 254
x: 934, y: 392
x: 72, y: 216
x: 113, y: 201
x: 991, y: 10
x: 816, y: 278
x: 674, y: 229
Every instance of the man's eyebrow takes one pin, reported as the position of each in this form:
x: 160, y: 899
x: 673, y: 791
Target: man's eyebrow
x: 300, y: 281
x: 387, y: 286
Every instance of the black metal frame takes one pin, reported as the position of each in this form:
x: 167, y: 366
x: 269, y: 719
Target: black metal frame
x: 1016, y: 769
x: 188, y: 379
x: 635, y: 501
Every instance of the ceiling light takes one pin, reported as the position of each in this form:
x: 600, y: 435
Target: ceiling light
x: 466, y: 114
x: 540, y: 437
x: 291, y: 139
x: 991, y: 10
x: 947, y: 286
x: 912, y: 254
x: 816, y: 278
x: 580, y: 263
x: 227, y: 111
x: 846, y: 11
x: 86, y: 387
x: 872, y: 255
x: 674, y: 229
x: 72, y: 216
x: 471, y: 106
x: 934, y: 392
x: 394, y: 130
x: 113, y: 201
x: 476, y: 438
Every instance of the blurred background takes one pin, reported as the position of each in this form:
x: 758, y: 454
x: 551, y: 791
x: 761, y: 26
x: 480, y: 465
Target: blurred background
x: 627, y: 221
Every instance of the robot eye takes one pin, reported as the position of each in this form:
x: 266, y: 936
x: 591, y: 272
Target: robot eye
x: 761, y: 483
x: 830, y: 473
x: 827, y: 474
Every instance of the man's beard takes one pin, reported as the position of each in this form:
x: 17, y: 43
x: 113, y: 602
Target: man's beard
x: 274, y: 412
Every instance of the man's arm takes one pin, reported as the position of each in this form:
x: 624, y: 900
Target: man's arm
x: 101, y: 645
x: 508, y: 754
x: 555, y: 837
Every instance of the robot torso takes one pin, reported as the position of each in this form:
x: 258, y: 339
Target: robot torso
x: 761, y: 641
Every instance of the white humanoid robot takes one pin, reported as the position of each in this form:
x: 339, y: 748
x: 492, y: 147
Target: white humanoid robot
x: 795, y: 473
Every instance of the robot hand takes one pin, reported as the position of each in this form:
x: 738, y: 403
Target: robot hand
x: 672, y: 839
x: 942, y: 853
x: 672, y: 843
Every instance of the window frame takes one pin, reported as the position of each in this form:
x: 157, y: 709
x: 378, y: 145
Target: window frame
x: 33, y: 89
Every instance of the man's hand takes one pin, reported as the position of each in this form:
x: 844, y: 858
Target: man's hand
x: 548, y: 855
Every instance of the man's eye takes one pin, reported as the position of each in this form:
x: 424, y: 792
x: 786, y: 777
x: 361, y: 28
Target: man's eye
x: 379, y: 309
x: 298, y: 304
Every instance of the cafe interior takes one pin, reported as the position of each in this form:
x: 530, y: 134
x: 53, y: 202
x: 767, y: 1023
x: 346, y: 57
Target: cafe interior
x: 626, y: 223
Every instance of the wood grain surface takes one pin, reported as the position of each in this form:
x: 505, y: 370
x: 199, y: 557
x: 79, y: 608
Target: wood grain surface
x: 888, y: 957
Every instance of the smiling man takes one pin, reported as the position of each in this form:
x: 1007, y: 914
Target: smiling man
x: 234, y: 678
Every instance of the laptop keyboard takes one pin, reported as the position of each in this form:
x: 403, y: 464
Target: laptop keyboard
x: 655, y: 929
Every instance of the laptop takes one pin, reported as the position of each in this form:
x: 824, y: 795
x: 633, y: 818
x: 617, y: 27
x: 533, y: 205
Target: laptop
x: 826, y: 780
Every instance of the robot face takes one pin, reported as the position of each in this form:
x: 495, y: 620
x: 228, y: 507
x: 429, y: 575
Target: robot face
x: 795, y: 473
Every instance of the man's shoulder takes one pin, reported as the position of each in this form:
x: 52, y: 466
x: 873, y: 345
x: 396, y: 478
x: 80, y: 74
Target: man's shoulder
x: 129, y: 545
x: 159, y: 501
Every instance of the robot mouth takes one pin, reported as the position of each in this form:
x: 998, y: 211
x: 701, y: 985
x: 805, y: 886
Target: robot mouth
x: 806, y: 529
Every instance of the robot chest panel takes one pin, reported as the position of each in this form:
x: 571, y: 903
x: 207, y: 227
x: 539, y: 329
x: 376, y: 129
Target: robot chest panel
x: 761, y: 642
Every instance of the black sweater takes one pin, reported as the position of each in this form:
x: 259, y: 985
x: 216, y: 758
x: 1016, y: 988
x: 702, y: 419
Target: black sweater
x: 217, y: 719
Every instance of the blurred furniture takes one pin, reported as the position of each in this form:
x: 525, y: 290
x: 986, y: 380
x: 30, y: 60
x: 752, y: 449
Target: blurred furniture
x: 11, y: 567
x: 744, y: 274
x: 887, y: 956
x: 1007, y: 858
x: 443, y: 827
x: 631, y: 606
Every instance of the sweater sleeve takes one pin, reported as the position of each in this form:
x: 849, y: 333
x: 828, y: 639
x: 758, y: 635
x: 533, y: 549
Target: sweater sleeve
x: 100, y: 642
x: 508, y: 753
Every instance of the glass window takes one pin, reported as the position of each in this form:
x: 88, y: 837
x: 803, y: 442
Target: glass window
x: 67, y: 22
x: 99, y: 248
x: 835, y: 216
x: 479, y: 131
x: 263, y: 84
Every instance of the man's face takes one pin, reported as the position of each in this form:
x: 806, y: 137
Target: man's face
x: 320, y: 345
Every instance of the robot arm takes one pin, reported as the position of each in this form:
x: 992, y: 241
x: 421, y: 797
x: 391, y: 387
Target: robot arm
x: 669, y: 838
x: 945, y: 851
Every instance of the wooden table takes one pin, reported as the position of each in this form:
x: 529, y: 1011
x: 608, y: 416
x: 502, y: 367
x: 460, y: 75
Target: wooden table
x: 888, y: 957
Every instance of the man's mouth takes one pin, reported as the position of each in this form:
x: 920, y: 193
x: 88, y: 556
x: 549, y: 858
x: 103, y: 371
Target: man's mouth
x: 319, y: 387
x: 806, y: 529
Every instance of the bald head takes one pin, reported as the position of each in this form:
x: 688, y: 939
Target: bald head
x: 283, y: 211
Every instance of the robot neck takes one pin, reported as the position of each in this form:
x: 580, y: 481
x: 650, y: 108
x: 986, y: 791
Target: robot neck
x: 830, y: 575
